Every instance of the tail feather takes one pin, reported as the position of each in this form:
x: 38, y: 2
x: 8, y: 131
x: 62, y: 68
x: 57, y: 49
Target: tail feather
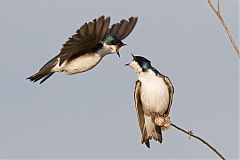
x: 46, y: 77
x: 151, y: 131
x: 39, y: 75
x: 159, y: 132
x: 45, y: 72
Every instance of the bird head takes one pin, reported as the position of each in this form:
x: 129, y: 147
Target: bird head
x: 114, y: 44
x: 139, y: 64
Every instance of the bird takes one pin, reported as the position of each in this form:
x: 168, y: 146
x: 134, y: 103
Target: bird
x: 153, y: 97
x: 86, y: 48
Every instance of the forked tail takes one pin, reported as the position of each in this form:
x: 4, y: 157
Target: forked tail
x: 45, y: 72
x: 151, y: 131
x: 40, y: 75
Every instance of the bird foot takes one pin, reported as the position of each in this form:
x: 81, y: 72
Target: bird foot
x: 161, y: 120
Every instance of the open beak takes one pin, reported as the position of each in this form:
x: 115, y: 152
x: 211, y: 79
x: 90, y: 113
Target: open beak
x: 118, y: 52
x: 123, y: 44
x: 129, y: 63
x: 133, y: 56
x: 118, y: 48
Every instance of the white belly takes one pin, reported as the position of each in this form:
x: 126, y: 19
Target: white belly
x: 154, y: 95
x: 79, y: 64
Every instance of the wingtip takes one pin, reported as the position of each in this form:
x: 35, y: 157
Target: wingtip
x: 147, y: 143
x: 103, y: 17
x: 133, y: 18
x: 108, y: 18
x: 136, y: 18
x: 160, y: 139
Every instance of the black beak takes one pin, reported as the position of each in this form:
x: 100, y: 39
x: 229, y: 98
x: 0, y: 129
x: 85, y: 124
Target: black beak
x: 118, y: 54
x: 117, y: 51
x: 133, y: 56
x: 123, y: 44
x: 119, y: 45
x: 133, y: 59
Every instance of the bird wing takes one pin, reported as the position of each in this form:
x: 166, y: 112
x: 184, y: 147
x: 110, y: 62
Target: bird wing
x: 138, y: 106
x: 86, y: 38
x: 171, y: 92
x: 122, y: 29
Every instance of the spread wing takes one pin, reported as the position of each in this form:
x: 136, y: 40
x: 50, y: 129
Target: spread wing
x: 171, y: 92
x: 138, y: 106
x: 86, y: 38
x: 124, y: 28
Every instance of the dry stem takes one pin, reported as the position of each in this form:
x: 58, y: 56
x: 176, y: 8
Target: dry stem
x: 217, y: 12
x: 190, y: 133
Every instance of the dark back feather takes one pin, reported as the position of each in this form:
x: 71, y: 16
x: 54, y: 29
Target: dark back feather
x: 86, y: 38
x: 91, y: 34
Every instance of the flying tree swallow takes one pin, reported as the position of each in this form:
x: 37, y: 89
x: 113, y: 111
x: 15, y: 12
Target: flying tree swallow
x: 153, y: 99
x: 87, y: 47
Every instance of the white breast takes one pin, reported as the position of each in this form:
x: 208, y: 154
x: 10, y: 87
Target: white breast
x: 84, y: 62
x: 80, y: 64
x: 154, y: 93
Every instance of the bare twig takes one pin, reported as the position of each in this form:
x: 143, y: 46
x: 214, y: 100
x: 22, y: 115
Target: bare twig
x: 190, y: 133
x: 224, y: 25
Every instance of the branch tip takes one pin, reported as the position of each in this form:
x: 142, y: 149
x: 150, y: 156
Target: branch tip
x: 190, y: 133
x: 217, y: 12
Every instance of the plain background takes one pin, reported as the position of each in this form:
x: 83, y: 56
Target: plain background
x: 92, y: 115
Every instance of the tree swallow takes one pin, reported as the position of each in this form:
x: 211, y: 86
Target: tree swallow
x: 87, y: 47
x: 153, y: 98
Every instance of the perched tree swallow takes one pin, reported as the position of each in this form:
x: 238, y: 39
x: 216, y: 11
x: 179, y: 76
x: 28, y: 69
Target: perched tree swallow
x: 87, y: 47
x: 153, y: 98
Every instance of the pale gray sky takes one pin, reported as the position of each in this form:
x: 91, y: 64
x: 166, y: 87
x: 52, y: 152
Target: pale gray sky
x: 92, y: 115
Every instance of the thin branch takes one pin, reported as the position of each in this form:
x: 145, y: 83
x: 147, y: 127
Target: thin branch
x: 224, y: 25
x: 190, y: 133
